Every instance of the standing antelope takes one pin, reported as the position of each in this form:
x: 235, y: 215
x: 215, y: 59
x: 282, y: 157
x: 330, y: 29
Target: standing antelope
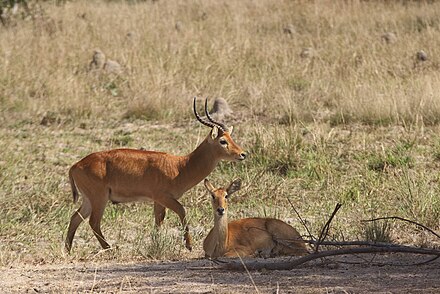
x: 126, y: 175
x: 247, y: 236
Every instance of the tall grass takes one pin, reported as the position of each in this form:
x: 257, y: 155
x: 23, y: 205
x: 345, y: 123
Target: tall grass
x: 173, y: 50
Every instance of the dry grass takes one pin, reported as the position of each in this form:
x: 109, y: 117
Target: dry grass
x: 355, y: 121
x: 173, y: 50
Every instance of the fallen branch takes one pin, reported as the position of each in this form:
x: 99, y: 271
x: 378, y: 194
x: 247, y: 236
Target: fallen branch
x: 292, y: 264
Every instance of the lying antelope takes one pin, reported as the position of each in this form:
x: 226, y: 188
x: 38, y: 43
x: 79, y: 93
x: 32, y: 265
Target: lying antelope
x: 248, y: 236
x: 126, y: 175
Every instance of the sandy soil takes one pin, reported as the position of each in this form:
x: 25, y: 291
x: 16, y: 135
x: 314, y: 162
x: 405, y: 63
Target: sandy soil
x: 204, y: 276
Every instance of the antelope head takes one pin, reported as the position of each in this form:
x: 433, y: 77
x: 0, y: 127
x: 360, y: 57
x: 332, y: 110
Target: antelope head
x: 220, y: 196
x: 220, y: 137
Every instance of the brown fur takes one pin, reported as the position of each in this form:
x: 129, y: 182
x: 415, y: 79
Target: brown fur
x: 266, y: 237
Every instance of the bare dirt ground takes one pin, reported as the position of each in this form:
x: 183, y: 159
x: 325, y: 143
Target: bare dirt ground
x: 204, y: 276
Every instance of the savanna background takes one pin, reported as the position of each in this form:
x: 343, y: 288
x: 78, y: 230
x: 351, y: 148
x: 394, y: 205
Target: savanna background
x: 335, y: 101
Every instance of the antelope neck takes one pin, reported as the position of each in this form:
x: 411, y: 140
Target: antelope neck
x: 221, y: 231
x: 199, y: 164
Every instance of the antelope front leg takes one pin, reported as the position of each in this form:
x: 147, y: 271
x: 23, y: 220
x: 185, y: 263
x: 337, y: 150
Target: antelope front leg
x: 174, y: 205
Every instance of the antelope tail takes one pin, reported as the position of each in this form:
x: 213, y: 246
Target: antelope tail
x: 73, y: 186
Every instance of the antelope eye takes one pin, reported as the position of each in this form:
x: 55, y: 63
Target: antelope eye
x: 226, y: 196
x: 213, y: 197
x: 223, y: 141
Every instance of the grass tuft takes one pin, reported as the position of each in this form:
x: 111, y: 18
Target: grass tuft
x: 378, y: 232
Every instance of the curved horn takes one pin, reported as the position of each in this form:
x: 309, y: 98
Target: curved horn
x: 206, y: 123
x: 221, y: 126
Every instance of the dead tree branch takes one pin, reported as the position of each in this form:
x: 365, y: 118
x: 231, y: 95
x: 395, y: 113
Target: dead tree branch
x: 292, y: 264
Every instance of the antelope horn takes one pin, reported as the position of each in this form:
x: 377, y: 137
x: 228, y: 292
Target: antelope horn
x: 221, y: 126
x: 206, y: 123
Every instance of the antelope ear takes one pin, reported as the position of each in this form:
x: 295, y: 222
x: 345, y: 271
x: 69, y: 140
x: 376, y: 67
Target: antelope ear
x: 208, y: 185
x: 234, y: 186
x: 214, y: 132
x: 231, y: 129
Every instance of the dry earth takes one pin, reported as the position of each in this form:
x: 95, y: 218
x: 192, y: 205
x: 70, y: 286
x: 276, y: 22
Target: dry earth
x: 204, y: 276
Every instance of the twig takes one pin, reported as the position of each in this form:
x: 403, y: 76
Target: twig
x: 405, y: 220
x: 94, y: 279
x: 247, y: 271
x: 326, y: 227
x: 289, y: 265
x: 300, y: 219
